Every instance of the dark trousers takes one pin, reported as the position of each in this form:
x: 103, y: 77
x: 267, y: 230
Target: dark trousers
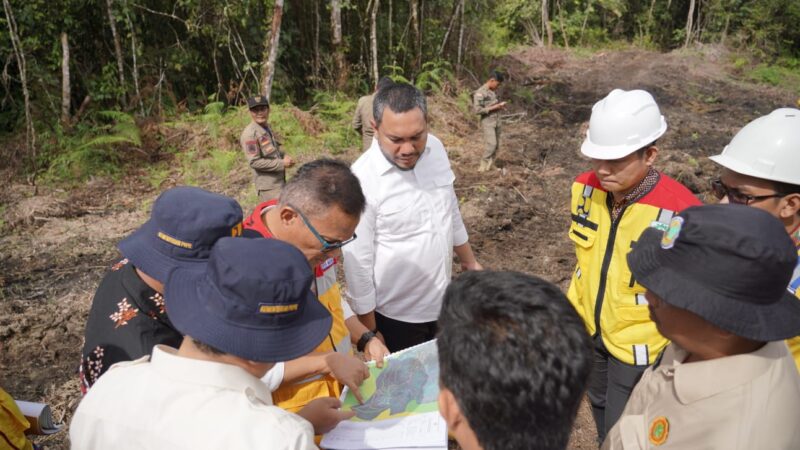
x: 400, y: 335
x: 610, y: 386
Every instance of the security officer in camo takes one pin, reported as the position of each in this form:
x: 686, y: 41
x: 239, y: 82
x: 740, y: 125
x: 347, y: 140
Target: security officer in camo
x: 263, y: 152
x: 487, y: 106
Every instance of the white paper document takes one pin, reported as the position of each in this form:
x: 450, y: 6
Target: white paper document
x: 400, y: 409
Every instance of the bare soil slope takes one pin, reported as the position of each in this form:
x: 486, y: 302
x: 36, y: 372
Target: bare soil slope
x: 56, y: 245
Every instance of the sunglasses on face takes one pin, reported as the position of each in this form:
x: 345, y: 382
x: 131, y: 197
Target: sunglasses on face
x: 258, y: 109
x: 327, y: 246
x: 720, y: 191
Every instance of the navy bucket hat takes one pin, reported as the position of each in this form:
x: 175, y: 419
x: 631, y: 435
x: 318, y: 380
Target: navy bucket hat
x: 253, y: 300
x: 184, y: 225
x: 729, y: 264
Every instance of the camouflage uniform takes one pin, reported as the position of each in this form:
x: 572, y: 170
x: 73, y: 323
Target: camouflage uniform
x: 362, y: 120
x: 490, y: 123
x: 265, y: 158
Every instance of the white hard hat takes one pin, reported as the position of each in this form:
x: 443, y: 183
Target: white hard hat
x: 622, y: 123
x: 766, y: 148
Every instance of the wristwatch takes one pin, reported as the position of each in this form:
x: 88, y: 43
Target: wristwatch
x: 365, y: 338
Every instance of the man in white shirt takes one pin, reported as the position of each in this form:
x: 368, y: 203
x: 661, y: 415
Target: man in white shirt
x: 400, y: 265
x: 239, y: 316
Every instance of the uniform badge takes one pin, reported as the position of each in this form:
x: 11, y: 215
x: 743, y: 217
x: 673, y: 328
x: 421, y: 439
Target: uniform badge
x: 659, y: 430
x: 672, y: 233
x: 660, y: 226
x: 252, y: 147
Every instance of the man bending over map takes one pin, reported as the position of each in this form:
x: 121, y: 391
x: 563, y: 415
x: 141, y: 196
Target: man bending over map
x: 514, y: 361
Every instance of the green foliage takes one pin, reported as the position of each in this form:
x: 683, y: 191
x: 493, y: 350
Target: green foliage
x: 784, y: 73
x: 524, y: 93
x: 464, y: 102
x: 436, y: 76
x: 396, y: 73
x: 94, y: 150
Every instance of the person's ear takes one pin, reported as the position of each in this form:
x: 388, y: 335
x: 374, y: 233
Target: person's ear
x: 650, y: 155
x: 287, y: 215
x: 373, y: 124
x: 789, y: 206
x: 449, y: 409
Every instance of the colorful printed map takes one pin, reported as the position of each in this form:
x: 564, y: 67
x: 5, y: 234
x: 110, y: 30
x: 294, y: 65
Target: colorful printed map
x: 407, y: 384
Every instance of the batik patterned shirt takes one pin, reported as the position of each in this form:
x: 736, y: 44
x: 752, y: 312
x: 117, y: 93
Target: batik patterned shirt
x: 127, y: 319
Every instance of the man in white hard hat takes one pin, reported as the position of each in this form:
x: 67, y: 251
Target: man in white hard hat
x: 761, y: 168
x: 611, y: 205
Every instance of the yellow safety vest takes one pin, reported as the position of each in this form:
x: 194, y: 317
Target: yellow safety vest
x: 12, y: 425
x: 293, y: 397
x: 603, y: 290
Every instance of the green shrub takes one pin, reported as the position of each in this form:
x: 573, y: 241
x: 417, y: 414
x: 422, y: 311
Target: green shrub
x: 94, y: 150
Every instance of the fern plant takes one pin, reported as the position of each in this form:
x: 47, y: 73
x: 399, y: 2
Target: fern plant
x: 97, y: 151
x: 436, y: 76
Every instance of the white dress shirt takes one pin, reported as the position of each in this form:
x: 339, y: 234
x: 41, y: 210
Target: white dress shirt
x: 401, y: 262
x: 172, y: 402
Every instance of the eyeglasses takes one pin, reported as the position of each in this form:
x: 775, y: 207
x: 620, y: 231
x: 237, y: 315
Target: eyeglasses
x: 720, y: 191
x: 327, y: 246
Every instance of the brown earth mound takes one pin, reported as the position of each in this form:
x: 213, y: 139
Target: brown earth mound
x: 56, y: 246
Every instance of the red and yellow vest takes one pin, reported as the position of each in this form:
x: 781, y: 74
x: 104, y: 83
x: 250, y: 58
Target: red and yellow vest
x: 603, y: 290
x: 794, y: 288
x: 295, y: 396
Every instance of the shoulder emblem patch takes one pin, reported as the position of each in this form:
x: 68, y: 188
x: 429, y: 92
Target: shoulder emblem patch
x: 251, y: 147
x: 659, y: 430
x: 672, y: 233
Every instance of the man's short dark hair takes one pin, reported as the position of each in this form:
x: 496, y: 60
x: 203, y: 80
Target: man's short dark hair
x: 516, y: 357
x: 323, y: 183
x: 498, y: 75
x: 400, y: 98
x: 383, y: 83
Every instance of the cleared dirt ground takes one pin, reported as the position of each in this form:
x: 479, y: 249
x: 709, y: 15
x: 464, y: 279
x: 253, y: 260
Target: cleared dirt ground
x: 56, y: 245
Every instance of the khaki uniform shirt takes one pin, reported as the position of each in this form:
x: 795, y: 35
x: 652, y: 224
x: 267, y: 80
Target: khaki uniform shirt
x: 362, y: 120
x: 749, y: 401
x: 264, y: 157
x: 481, y: 101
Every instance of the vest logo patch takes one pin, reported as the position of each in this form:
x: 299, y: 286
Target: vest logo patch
x: 237, y: 230
x: 659, y: 430
x: 327, y: 264
x: 672, y: 233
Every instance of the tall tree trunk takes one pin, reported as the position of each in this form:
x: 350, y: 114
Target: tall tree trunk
x: 389, y: 27
x: 338, y: 50
x: 417, y: 38
x: 274, y: 38
x: 315, y: 64
x: 220, y: 86
x: 546, y: 24
x: 460, y: 39
x: 117, y: 49
x: 689, y: 23
x: 135, y: 65
x: 373, y: 41
x: 30, y: 132
x: 561, y: 24
x: 66, y: 92
x: 449, y: 28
